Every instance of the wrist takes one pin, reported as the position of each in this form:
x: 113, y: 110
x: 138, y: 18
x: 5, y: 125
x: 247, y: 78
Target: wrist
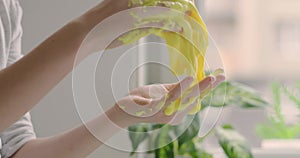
x: 119, y: 117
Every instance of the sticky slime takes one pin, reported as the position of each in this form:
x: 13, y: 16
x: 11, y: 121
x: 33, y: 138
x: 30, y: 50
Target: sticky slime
x: 187, y: 45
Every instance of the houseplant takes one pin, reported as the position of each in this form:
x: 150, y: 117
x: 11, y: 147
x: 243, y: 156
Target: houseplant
x: 277, y: 132
x: 188, y: 144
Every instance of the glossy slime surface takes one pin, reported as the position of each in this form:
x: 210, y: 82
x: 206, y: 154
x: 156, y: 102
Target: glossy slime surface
x: 187, y: 45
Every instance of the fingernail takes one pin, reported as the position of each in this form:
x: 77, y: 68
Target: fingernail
x: 212, y: 79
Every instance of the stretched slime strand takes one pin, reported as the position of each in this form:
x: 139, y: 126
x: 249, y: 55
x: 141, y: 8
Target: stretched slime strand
x: 191, y: 41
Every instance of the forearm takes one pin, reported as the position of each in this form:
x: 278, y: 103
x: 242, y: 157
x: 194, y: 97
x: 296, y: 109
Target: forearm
x: 80, y: 142
x: 77, y: 143
x: 26, y: 82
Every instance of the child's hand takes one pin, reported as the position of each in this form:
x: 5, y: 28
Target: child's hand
x: 148, y: 104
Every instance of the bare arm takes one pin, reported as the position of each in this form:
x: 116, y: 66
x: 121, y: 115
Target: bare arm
x: 76, y: 143
x: 45, y: 66
x: 80, y: 142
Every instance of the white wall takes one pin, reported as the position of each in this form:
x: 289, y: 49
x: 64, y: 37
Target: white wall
x: 56, y: 112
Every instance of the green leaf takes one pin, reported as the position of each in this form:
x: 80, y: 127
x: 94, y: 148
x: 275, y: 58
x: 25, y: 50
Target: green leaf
x: 157, y: 126
x: 187, y: 142
x: 187, y: 148
x: 165, y: 152
x: 292, y: 97
x: 228, y: 127
x: 233, y: 143
x: 203, y: 154
x: 272, y: 130
x: 231, y: 93
x: 278, y: 130
x: 190, y: 148
x: 295, y: 131
x: 298, y: 86
x: 276, y: 89
x: 138, y: 134
x: 164, y: 144
x: 188, y: 129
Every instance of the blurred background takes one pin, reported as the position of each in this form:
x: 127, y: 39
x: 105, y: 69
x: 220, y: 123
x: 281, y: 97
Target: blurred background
x: 261, y: 37
x: 259, y: 42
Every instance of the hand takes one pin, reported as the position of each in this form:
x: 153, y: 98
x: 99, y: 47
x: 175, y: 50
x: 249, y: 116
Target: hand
x: 103, y: 36
x: 114, y: 7
x: 148, y: 104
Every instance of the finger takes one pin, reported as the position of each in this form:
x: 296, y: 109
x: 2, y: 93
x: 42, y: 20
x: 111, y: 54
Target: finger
x: 169, y: 87
x: 198, y: 88
x: 179, y: 89
x: 190, y: 107
x: 219, y: 79
x: 218, y: 72
x: 204, y: 88
x: 173, y: 98
x: 202, y: 85
x: 156, y: 91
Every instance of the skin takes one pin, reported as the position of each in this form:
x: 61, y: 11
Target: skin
x: 66, y: 145
x: 45, y: 66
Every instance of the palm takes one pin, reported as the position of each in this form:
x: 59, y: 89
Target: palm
x: 148, y: 103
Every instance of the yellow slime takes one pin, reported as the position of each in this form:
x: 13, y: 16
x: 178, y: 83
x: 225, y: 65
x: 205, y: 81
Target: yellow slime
x: 187, y: 46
